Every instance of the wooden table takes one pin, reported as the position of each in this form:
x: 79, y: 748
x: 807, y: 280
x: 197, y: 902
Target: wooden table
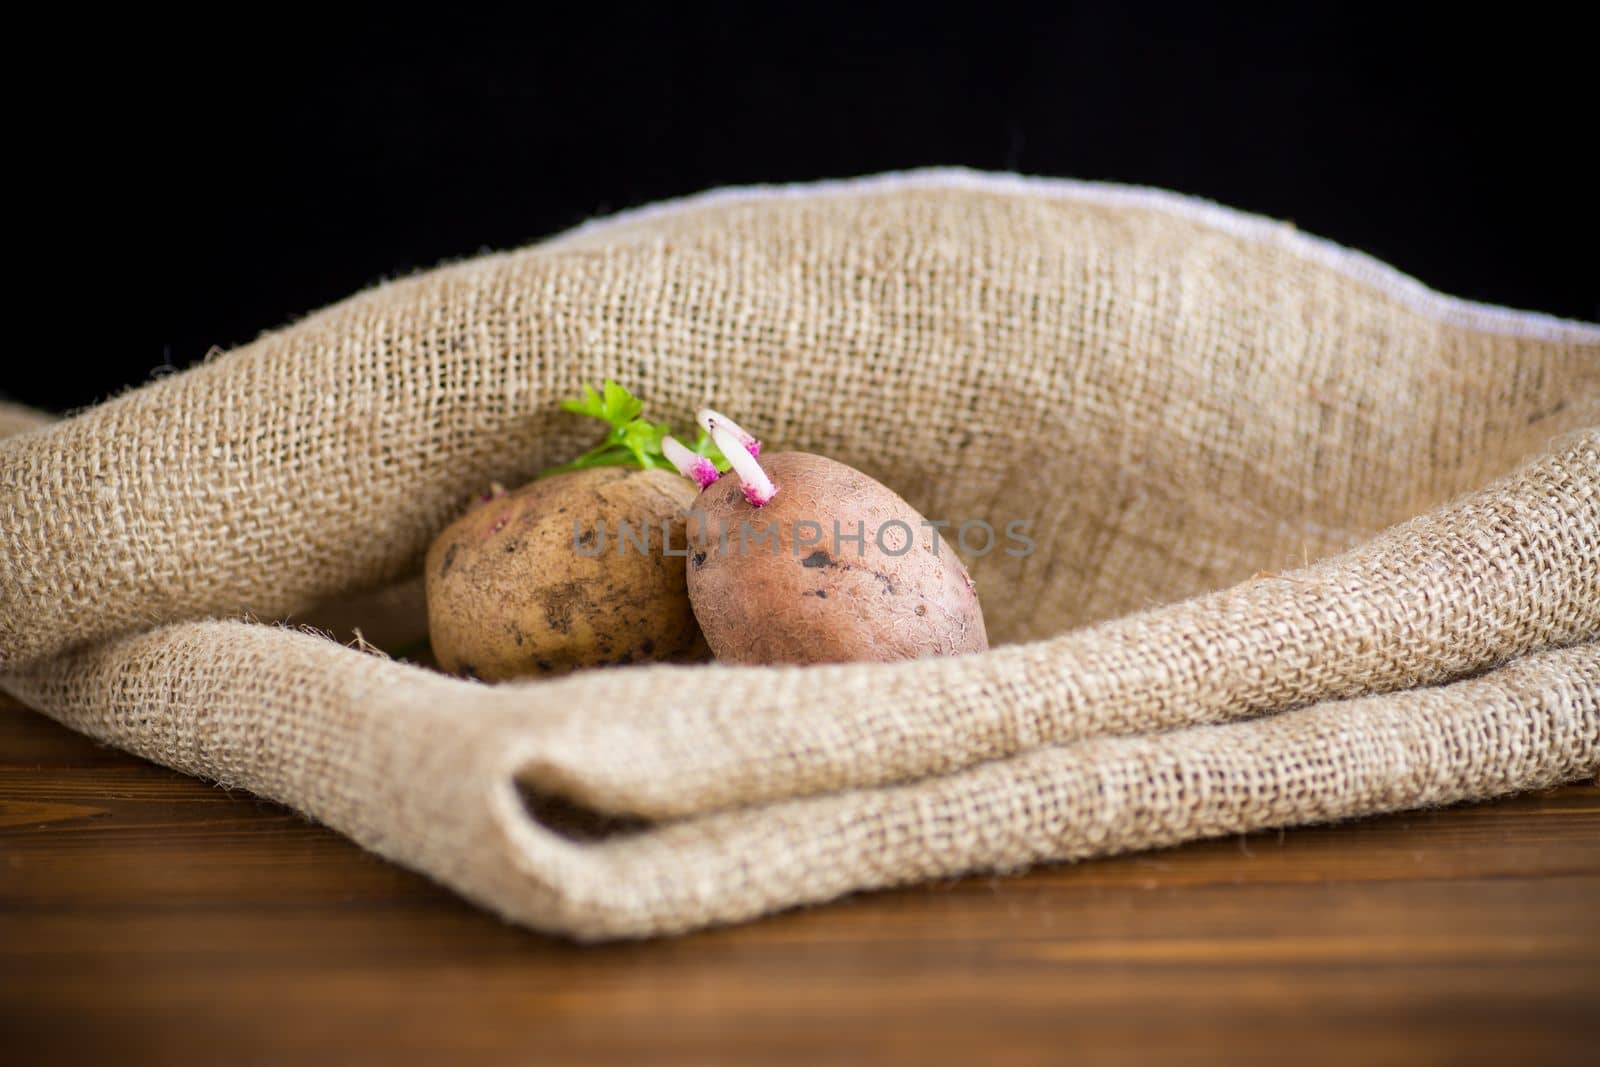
x: 148, y: 917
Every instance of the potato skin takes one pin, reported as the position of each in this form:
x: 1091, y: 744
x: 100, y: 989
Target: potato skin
x: 816, y: 605
x: 510, y: 594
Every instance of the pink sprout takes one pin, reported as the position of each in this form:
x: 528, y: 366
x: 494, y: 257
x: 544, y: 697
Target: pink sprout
x: 690, y: 464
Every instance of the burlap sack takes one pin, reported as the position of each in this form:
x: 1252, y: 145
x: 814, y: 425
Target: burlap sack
x: 1311, y: 542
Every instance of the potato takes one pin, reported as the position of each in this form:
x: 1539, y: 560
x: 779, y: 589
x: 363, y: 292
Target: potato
x: 767, y: 592
x: 514, y: 589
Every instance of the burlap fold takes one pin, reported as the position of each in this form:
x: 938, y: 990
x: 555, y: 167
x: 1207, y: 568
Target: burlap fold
x: 1311, y: 542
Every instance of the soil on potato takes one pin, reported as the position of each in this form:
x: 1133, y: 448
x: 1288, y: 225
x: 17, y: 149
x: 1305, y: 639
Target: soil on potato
x: 569, y: 571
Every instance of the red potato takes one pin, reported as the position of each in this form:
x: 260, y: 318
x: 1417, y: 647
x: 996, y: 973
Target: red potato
x: 801, y: 559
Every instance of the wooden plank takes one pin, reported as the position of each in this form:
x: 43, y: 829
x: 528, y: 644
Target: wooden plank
x: 148, y: 917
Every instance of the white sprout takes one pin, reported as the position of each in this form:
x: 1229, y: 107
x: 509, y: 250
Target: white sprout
x: 690, y: 464
x: 758, y: 488
x: 712, y: 419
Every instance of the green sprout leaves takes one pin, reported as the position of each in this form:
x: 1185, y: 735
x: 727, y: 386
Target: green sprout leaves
x: 613, y: 404
x: 631, y: 441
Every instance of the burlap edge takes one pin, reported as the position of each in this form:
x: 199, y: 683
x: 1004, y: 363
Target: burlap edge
x: 570, y: 888
x: 1260, y: 229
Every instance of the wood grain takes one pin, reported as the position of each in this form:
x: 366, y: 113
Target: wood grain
x: 146, y: 917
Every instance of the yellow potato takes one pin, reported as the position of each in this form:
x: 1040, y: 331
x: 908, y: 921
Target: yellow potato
x: 541, y: 580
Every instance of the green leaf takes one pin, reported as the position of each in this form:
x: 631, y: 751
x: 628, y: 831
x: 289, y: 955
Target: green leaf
x: 621, y: 407
x: 613, y: 404
x: 643, y: 439
x: 631, y: 441
x: 587, y: 404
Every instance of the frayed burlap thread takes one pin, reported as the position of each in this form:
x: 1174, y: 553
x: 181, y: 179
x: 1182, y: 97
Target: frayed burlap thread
x: 1311, y: 542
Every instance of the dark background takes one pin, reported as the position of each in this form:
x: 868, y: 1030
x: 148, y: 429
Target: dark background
x: 217, y: 180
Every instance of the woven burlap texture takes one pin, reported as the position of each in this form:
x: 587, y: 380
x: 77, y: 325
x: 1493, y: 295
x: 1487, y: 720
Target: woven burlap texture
x: 1311, y: 542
